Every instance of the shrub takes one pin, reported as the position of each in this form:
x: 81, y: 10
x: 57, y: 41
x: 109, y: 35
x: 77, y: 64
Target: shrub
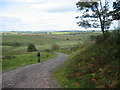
x: 67, y: 38
x: 55, y: 47
x: 31, y: 48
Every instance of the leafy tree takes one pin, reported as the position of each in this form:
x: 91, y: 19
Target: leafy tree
x: 116, y: 12
x: 31, y: 48
x: 95, y: 15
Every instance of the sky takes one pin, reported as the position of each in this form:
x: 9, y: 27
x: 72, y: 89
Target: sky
x: 40, y: 15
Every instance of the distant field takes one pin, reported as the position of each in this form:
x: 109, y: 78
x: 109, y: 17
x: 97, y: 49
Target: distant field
x: 16, y: 44
x: 44, y: 41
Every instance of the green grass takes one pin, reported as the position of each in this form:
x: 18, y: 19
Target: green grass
x: 24, y: 59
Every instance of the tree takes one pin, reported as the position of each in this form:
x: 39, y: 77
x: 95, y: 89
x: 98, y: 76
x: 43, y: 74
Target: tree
x: 31, y: 48
x: 116, y: 12
x: 95, y: 15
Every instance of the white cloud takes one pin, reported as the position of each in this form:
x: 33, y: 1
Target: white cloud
x: 20, y: 1
x: 42, y: 21
x: 54, y: 7
x: 37, y: 1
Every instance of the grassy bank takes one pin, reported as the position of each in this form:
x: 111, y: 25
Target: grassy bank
x: 94, y: 65
x: 61, y: 76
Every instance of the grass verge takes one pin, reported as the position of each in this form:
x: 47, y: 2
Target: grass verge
x: 61, y: 76
x: 17, y: 61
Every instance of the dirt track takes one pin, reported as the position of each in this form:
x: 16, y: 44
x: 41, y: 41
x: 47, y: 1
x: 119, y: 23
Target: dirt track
x: 35, y: 75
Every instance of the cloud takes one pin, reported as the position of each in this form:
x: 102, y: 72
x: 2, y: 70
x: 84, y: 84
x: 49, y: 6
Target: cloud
x: 37, y: 1
x: 40, y: 21
x: 30, y: 1
x: 9, y: 23
x: 54, y: 6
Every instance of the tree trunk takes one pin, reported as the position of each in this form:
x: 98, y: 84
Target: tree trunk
x: 103, y: 31
x: 101, y: 22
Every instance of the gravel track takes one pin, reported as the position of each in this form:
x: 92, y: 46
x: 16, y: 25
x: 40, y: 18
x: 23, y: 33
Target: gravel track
x: 35, y: 75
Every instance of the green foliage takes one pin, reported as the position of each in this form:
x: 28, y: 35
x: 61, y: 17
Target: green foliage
x: 97, y: 65
x: 99, y: 16
x: 116, y: 12
x: 55, y: 47
x: 31, y: 48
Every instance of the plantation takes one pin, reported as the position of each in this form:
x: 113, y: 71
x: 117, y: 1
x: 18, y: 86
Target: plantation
x: 94, y: 64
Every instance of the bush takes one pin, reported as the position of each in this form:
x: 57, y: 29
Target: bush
x: 55, y: 47
x: 67, y: 38
x: 31, y: 48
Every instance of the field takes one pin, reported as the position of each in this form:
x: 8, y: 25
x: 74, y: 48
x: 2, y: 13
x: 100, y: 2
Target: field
x: 44, y: 41
x: 14, y: 46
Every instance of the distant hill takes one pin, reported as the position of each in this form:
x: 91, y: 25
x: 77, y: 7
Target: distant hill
x: 50, y: 31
